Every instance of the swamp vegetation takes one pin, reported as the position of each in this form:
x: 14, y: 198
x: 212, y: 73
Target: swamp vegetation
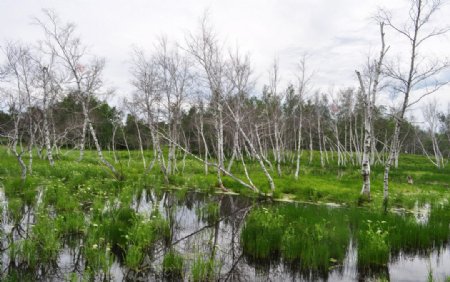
x: 77, y: 221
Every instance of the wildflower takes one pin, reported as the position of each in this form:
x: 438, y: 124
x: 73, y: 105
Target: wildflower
x: 95, y: 246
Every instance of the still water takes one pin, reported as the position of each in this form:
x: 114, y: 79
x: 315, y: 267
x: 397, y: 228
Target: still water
x: 198, y: 230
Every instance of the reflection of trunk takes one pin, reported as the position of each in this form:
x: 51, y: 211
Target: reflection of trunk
x: 170, y: 208
x: 216, y: 235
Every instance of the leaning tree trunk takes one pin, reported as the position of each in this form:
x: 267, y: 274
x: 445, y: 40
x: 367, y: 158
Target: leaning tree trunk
x: 141, y: 147
x: 23, y: 167
x: 390, y: 160
x: 94, y: 137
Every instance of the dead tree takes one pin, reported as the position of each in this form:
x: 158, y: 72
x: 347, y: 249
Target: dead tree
x: 303, y: 84
x: 431, y: 115
x: 406, y: 81
x: 85, y: 78
x: 146, y: 98
x: 204, y: 48
x: 369, y: 90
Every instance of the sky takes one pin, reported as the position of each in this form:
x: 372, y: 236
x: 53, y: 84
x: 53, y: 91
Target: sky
x: 337, y: 36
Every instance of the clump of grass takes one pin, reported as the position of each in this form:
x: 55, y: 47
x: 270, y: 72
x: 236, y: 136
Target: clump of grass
x: 316, y: 238
x: 41, y: 248
x: 15, y: 209
x: 262, y: 234
x: 173, y: 265
x: 134, y: 257
x: 204, y: 269
x: 142, y: 237
x: 312, y: 237
x: 373, y: 245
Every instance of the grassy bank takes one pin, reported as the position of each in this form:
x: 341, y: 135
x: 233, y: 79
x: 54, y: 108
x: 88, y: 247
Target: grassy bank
x: 315, y: 184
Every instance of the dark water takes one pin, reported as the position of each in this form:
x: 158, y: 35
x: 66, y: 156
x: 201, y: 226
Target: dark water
x: 196, y: 233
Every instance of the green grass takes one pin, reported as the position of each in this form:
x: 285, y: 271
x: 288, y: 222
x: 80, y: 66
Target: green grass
x: 204, y: 269
x: 173, y: 265
x: 316, y: 238
x: 84, y: 201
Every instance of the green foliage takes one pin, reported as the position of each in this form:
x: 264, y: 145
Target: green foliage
x: 373, y: 245
x: 204, y: 269
x: 81, y: 202
x: 317, y: 238
x: 173, y: 265
x: 262, y: 234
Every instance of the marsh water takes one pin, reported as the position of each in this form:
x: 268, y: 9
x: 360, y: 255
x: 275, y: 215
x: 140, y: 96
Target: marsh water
x: 210, y: 225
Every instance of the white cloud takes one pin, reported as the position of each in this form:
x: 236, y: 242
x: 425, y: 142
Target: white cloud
x: 338, y: 35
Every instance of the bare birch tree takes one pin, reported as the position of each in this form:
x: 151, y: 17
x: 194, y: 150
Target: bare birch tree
x: 369, y: 90
x: 205, y: 49
x: 408, y: 80
x: 431, y: 116
x: 86, y: 77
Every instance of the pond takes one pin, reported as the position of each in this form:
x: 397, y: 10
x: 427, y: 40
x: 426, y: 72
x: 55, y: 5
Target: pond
x: 197, y: 236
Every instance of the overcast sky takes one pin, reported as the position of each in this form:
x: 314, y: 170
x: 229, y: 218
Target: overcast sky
x: 337, y: 35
